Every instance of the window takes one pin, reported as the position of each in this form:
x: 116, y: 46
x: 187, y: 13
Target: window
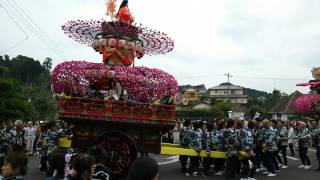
x: 278, y: 116
x: 192, y: 95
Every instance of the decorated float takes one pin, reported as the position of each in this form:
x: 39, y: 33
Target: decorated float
x: 120, y: 107
x: 310, y: 103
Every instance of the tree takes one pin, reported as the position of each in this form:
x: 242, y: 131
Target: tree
x: 255, y: 108
x: 47, y: 64
x: 42, y: 101
x: 25, y: 69
x: 199, y: 113
x: 224, y: 106
x: 3, y: 70
x: 273, y: 99
x: 13, y: 104
x: 25, y: 88
x: 263, y: 105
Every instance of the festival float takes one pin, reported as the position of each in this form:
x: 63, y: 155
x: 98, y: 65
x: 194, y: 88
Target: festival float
x: 309, y: 104
x: 120, y: 107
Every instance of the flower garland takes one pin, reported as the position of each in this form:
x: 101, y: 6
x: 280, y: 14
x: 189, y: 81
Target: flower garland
x: 154, y: 42
x: 142, y: 83
x: 306, y: 103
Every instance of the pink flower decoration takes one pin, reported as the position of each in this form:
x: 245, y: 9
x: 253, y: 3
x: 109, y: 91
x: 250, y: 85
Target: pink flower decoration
x: 84, y: 32
x: 305, y: 103
x: 142, y: 83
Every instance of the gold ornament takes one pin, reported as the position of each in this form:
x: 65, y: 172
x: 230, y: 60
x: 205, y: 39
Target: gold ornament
x: 316, y: 73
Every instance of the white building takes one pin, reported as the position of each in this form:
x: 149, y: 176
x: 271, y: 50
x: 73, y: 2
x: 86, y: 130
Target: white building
x: 228, y: 92
x: 202, y: 106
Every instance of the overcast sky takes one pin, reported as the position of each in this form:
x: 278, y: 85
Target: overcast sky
x: 264, y: 44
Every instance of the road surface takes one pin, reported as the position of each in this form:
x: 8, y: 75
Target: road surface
x: 170, y: 170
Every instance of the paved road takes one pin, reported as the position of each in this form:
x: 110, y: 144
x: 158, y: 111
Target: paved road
x: 33, y: 170
x: 170, y: 170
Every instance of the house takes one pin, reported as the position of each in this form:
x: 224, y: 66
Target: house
x: 200, y: 89
x: 228, y: 92
x: 284, y: 109
x: 192, y: 95
x: 202, y: 106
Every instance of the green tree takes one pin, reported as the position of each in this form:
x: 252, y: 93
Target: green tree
x: 3, y: 70
x: 41, y: 99
x: 255, y: 108
x: 13, y: 104
x: 25, y: 69
x: 273, y: 99
x: 224, y: 106
x: 47, y: 64
x: 34, y: 98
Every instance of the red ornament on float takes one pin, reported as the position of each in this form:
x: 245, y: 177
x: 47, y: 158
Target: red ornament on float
x: 119, y: 42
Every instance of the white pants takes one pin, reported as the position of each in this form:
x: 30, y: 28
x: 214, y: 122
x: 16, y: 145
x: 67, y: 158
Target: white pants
x: 30, y: 140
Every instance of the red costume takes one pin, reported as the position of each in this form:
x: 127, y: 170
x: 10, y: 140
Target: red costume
x: 125, y: 15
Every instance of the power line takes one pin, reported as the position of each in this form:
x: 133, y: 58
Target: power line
x: 20, y: 17
x: 36, y: 25
x: 14, y: 46
x: 32, y: 27
x: 15, y: 22
x: 272, y: 78
x: 29, y: 25
x: 247, y: 77
x: 201, y: 76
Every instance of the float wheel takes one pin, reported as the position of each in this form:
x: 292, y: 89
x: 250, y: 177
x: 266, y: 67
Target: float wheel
x: 119, y: 152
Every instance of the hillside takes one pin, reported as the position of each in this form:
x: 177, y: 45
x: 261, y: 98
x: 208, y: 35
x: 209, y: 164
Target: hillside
x: 256, y: 93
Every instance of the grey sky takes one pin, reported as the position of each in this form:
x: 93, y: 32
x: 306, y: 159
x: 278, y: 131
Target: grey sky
x: 247, y: 38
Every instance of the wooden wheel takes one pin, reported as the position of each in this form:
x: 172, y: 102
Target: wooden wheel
x: 119, y: 152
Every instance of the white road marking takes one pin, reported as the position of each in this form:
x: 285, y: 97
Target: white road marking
x: 173, y: 157
x: 289, y: 157
x: 295, y: 159
x: 313, y: 150
x: 168, y: 162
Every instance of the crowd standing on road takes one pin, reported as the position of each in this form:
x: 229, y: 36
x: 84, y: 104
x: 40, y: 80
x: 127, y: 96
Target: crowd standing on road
x: 251, y: 146
x: 19, y: 140
x: 254, y: 146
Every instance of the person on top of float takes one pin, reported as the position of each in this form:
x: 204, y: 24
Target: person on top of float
x: 124, y: 14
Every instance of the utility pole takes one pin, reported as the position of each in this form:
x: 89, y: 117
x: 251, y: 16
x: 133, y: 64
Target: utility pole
x: 229, y: 76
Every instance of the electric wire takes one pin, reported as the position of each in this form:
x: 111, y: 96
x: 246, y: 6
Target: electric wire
x: 13, y: 20
x: 37, y: 26
x: 9, y: 7
x: 13, y: 47
x: 246, y: 77
x: 31, y: 27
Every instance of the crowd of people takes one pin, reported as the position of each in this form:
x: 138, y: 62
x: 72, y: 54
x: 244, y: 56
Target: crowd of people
x: 13, y: 159
x: 19, y: 140
x: 251, y: 146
